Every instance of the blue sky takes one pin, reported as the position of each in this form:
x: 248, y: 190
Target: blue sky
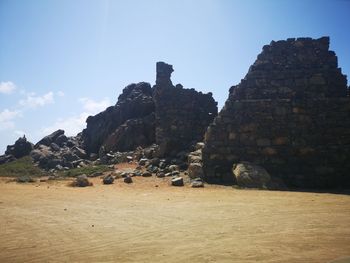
x: 62, y: 60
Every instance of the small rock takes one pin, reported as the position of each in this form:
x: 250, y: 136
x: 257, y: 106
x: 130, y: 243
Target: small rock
x: 197, y: 184
x: 109, y: 179
x: 175, y: 173
x: 82, y: 181
x: 160, y: 175
x: 178, y: 181
x: 173, y: 167
x: 146, y: 174
x: 128, y: 180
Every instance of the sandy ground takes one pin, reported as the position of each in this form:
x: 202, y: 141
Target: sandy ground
x: 150, y: 221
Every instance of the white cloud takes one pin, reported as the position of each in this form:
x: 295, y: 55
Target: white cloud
x: 94, y: 107
x: 6, y: 119
x: 33, y: 101
x: 75, y: 124
x: 71, y: 125
x: 7, y: 87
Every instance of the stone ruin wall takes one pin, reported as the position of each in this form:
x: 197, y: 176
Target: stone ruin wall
x: 182, y: 115
x: 290, y: 114
x: 170, y: 116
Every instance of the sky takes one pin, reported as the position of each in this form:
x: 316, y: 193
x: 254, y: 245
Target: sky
x: 63, y: 60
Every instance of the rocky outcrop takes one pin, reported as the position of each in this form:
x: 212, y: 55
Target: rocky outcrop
x: 134, y: 105
x: 168, y: 115
x: 47, y: 140
x: 131, y: 134
x: 182, y: 115
x: 290, y: 115
x: 21, y: 148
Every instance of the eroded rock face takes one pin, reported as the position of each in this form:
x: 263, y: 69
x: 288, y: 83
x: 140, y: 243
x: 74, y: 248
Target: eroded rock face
x: 134, y: 104
x: 290, y: 115
x: 168, y: 115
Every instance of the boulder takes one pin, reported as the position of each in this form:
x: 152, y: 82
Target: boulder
x: 81, y: 181
x: 61, y: 139
x: 128, y: 180
x: 178, y: 181
x: 195, y: 170
x: 146, y: 174
x: 173, y: 168
x: 109, y: 179
x: 54, y: 147
x: 250, y: 175
x: 160, y: 174
x: 79, y: 152
x: 143, y: 161
x: 197, y: 183
x: 47, y: 140
x: 21, y: 148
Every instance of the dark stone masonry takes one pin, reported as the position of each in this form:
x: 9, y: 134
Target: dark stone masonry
x: 290, y: 114
x: 182, y: 115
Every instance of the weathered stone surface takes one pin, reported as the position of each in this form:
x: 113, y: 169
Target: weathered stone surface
x: 285, y: 118
x: 178, y: 181
x: 81, y: 181
x: 109, y: 179
x: 21, y: 148
x: 182, y: 115
x: 146, y: 174
x: 131, y: 134
x: 134, y: 103
x: 47, y: 140
x: 197, y: 184
x: 195, y: 170
x: 250, y: 175
x: 128, y: 180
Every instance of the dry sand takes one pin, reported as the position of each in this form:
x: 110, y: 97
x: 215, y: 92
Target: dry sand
x: 50, y: 222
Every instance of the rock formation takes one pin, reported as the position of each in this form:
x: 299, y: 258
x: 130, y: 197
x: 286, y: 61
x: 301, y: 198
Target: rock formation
x: 56, y: 151
x: 170, y: 116
x: 21, y: 148
x: 134, y: 105
x: 290, y: 114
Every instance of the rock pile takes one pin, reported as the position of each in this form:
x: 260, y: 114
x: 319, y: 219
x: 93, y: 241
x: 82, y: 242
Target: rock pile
x: 290, y: 114
x: 56, y: 151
